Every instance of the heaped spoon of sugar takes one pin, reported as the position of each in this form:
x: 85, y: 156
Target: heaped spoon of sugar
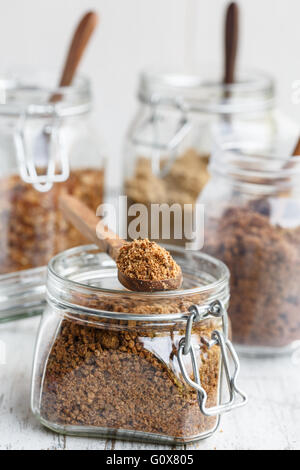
x: 91, y: 227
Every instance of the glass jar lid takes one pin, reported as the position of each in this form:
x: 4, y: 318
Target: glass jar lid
x: 85, y: 279
x: 203, y: 91
x: 32, y: 93
x: 262, y: 172
x: 35, y: 110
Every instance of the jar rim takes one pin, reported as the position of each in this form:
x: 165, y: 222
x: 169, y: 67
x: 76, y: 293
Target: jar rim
x: 204, y: 90
x: 58, y: 280
x: 267, y: 170
x: 29, y: 92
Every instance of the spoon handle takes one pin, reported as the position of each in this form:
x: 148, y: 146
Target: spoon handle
x: 90, y: 226
x: 80, y: 40
x: 231, y: 42
x: 296, y: 151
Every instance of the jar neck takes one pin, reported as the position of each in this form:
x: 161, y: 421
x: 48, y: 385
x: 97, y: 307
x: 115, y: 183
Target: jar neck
x: 257, y: 174
x: 36, y: 97
x: 253, y: 92
x: 74, y: 278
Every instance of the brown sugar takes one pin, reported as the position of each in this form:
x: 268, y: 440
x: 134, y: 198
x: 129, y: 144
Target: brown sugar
x: 182, y: 184
x: 123, y: 375
x: 145, y: 260
x: 264, y: 260
x: 32, y: 228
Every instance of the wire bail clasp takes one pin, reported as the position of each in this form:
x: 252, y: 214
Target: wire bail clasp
x: 44, y: 161
x: 147, y: 133
x: 237, y: 398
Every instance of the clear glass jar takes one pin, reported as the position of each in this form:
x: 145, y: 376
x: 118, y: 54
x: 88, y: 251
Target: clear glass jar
x: 170, y: 140
x: 46, y: 147
x: 253, y: 225
x: 114, y: 363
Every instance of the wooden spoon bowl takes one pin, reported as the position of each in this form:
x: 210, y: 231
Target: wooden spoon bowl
x: 92, y: 228
x: 140, y: 285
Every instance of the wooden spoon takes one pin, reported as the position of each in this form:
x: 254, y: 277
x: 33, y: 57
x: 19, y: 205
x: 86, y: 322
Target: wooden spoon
x: 91, y: 227
x: 79, y: 42
x: 296, y: 151
x: 231, y: 42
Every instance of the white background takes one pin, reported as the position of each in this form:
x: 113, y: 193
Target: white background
x: 137, y: 33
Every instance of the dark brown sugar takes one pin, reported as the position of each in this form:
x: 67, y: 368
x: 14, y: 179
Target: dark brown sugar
x: 114, y: 380
x: 264, y: 260
x: 32, y: 228
x: 125, y: 376
x: 145, y: 260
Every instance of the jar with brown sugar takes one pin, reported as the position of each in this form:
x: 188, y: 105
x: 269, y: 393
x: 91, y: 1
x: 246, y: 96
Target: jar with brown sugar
x: 169, y: 142
x: 128, y: 365
x: 47, y: 147
x: 252, y: 207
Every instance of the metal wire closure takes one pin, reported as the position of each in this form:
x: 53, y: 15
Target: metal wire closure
x: 152, y: 122
x: 47, y: 152
x: 186, y: 347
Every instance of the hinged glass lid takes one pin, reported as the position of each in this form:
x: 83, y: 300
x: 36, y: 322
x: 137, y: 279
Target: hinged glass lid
x: 36, y: 111
x: 85, y: 273
x: 183, y: 93
x: 201, y: 90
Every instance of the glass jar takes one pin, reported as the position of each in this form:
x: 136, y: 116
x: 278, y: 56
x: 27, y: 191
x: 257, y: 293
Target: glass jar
x: 170, y: 140
x: 120, y: 364
x: 253, y: 225
x: 47, y: 147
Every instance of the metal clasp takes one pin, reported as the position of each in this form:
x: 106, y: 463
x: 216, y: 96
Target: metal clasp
x: 149, y: 126
x: 237, y: 398
x: 46, y: 152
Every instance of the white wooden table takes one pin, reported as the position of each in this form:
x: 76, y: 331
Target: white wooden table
x: 271, y: 420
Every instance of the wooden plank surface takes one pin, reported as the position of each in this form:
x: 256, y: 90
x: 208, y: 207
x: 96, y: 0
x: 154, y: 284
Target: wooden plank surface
x: 271, y: 420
